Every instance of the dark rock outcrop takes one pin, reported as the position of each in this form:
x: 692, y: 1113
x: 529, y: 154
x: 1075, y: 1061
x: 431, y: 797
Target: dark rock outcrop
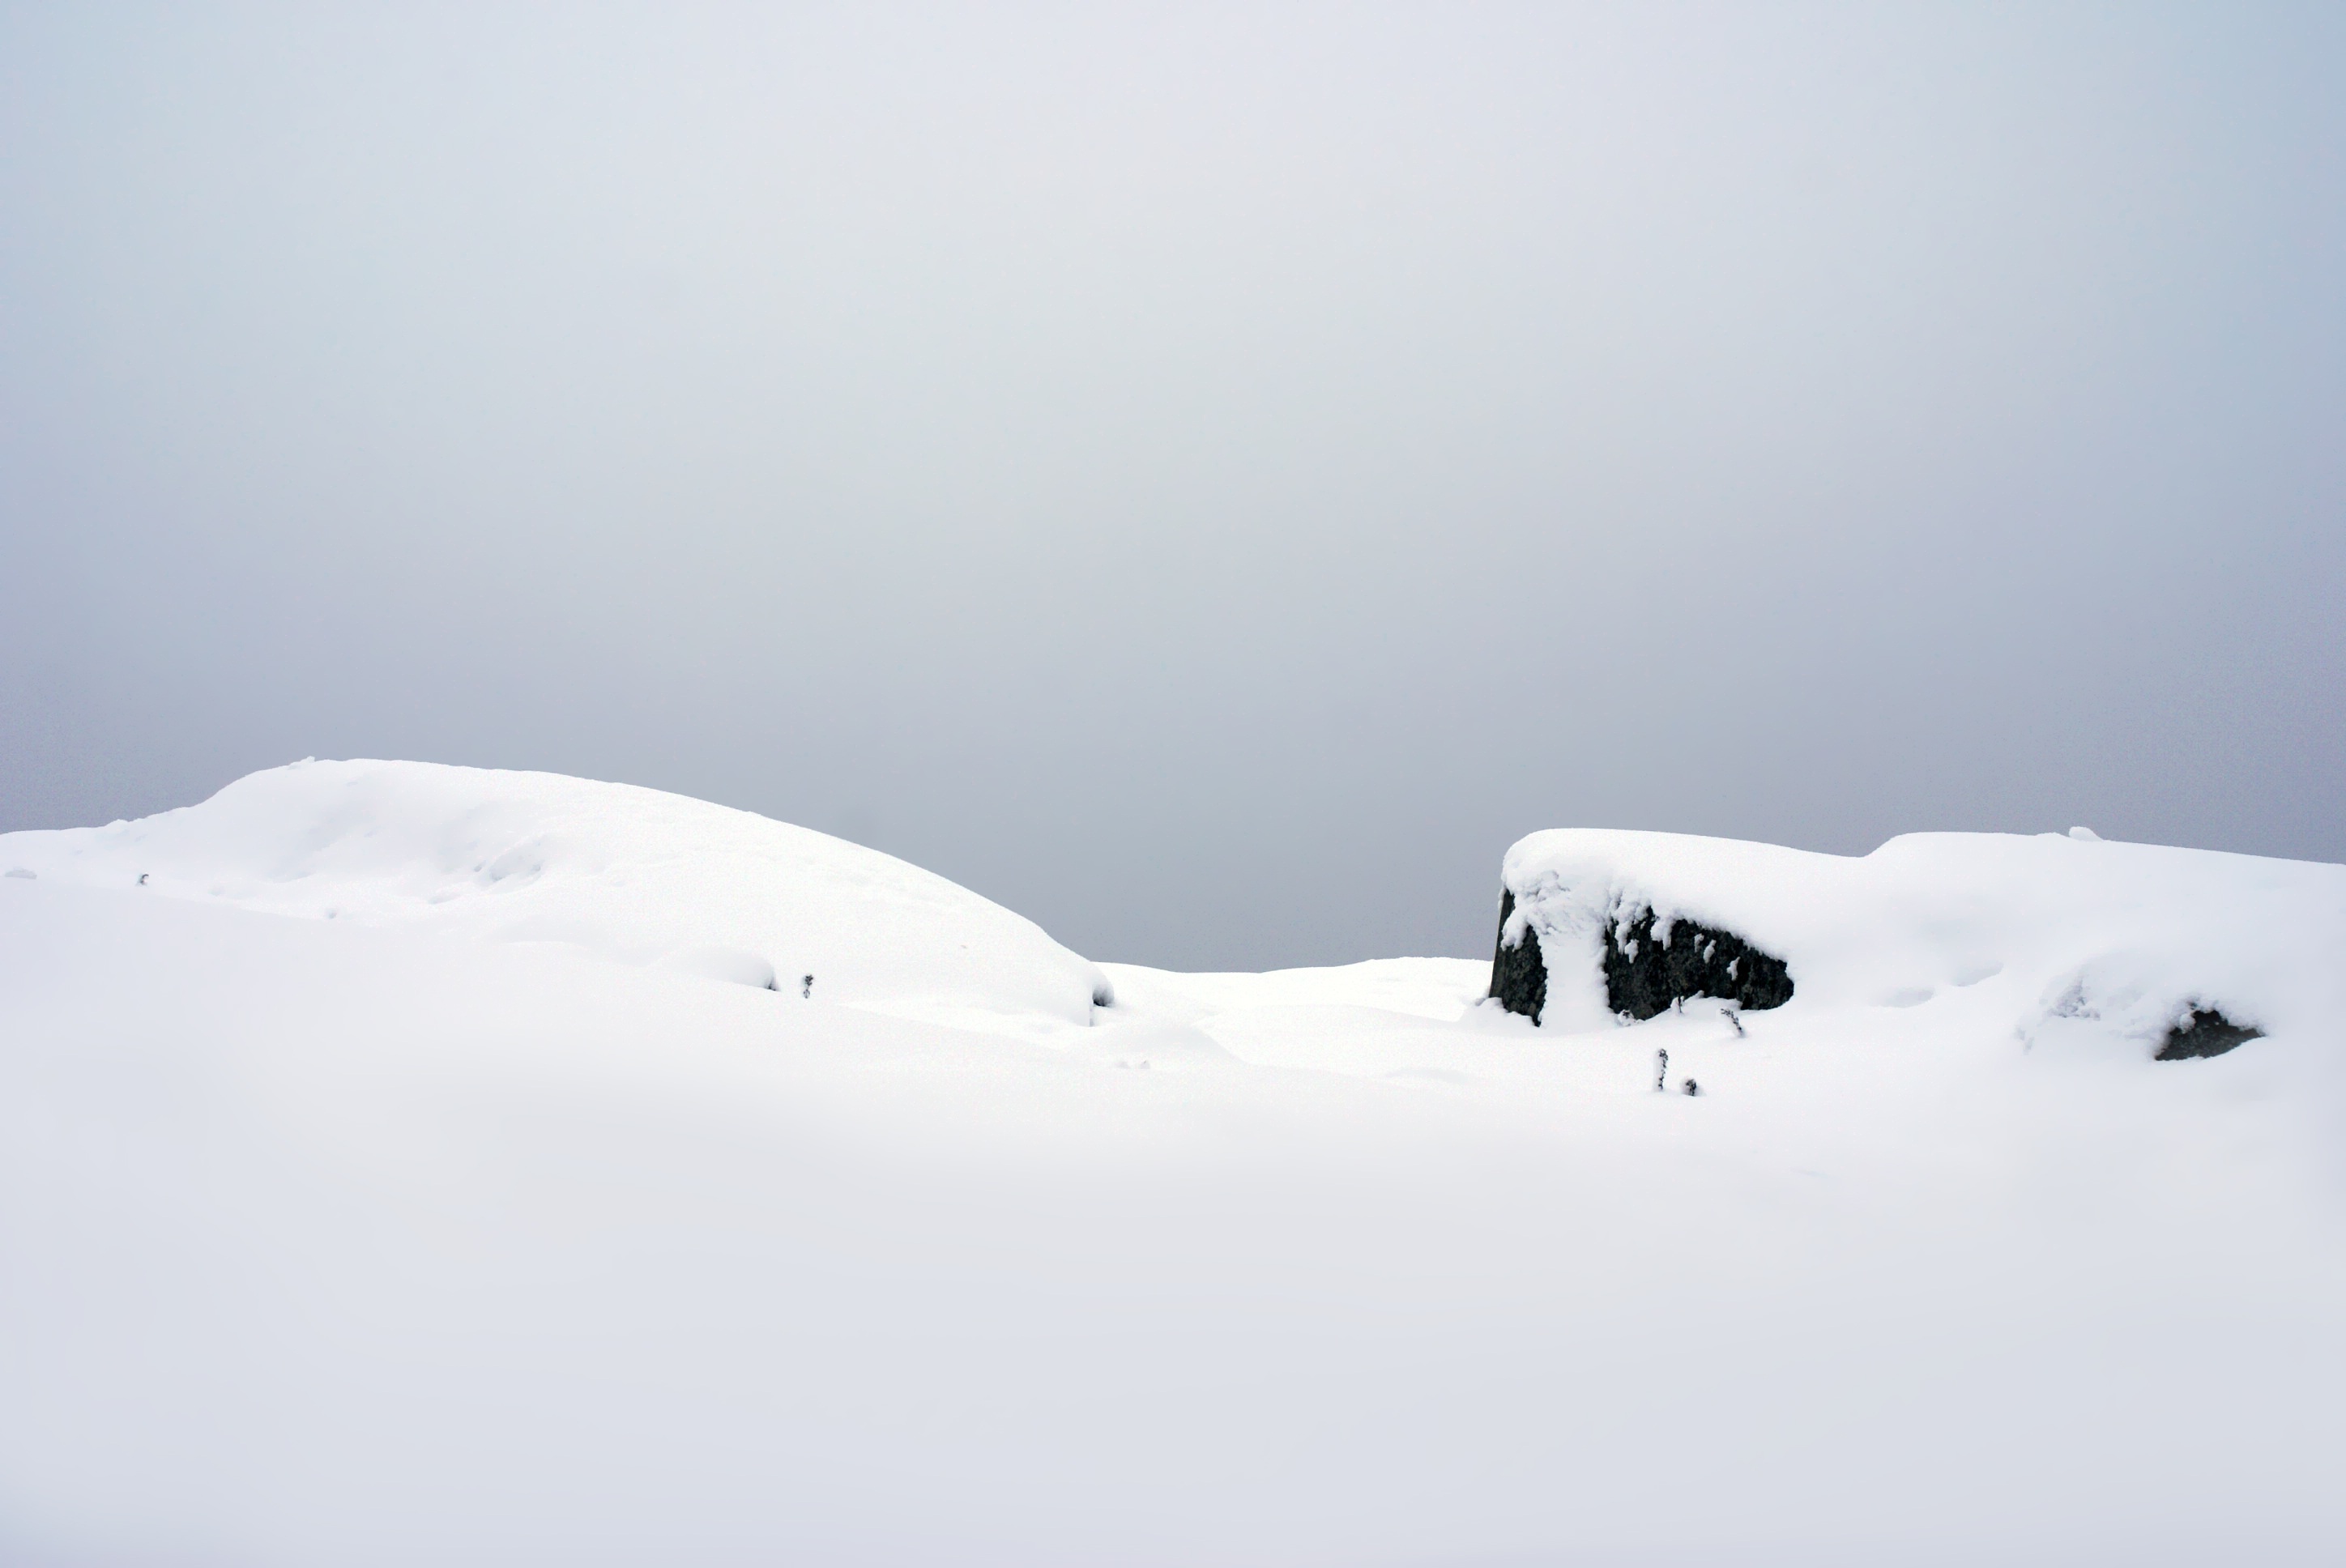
x: 1518, y: 973
x: 2203, y: 1032
x: 1643, y: 976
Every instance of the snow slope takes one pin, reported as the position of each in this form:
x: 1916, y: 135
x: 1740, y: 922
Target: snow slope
x: 338, y: 1241
x: 625, y: 874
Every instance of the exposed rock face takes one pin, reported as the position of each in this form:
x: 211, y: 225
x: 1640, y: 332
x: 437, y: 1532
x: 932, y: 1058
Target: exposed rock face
x: 2203, y: 1032
x: 1518, y: 973
x: 1644, y: 974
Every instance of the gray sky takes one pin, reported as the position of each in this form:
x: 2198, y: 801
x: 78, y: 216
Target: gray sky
x: 1207, y: 479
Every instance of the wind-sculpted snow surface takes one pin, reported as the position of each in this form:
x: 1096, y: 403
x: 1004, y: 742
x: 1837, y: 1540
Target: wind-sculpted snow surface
x: 336, y: 1241
x: 615, y: 871
x: 2093, y: 944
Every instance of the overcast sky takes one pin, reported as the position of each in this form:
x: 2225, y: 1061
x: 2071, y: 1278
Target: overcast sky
x: 1207, y: 478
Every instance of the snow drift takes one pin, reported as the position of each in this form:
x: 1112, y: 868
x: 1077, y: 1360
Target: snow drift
x: 616, y: 872
x: 2174, y: 952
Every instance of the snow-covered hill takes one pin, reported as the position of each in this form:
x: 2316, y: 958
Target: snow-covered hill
x: 475, y: 1225
x: 615, y: 871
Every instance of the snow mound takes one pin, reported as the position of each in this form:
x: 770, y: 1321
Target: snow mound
x: 2090, y: 941
x: 621, y: 873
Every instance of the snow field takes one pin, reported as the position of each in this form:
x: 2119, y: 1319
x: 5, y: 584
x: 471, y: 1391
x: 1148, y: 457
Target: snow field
x: 389, y: 1237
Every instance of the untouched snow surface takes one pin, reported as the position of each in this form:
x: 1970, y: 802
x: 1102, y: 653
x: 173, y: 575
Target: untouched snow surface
x: 340, y: 1241
x: 620, y: 873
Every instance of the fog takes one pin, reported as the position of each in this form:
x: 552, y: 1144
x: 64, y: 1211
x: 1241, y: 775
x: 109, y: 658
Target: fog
x: 1208, y: 479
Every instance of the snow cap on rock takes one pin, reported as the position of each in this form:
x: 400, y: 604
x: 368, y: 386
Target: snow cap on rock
x: 2122, y: 945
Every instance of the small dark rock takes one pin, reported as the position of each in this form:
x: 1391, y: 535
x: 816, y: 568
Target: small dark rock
x: 2203, y: 1032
